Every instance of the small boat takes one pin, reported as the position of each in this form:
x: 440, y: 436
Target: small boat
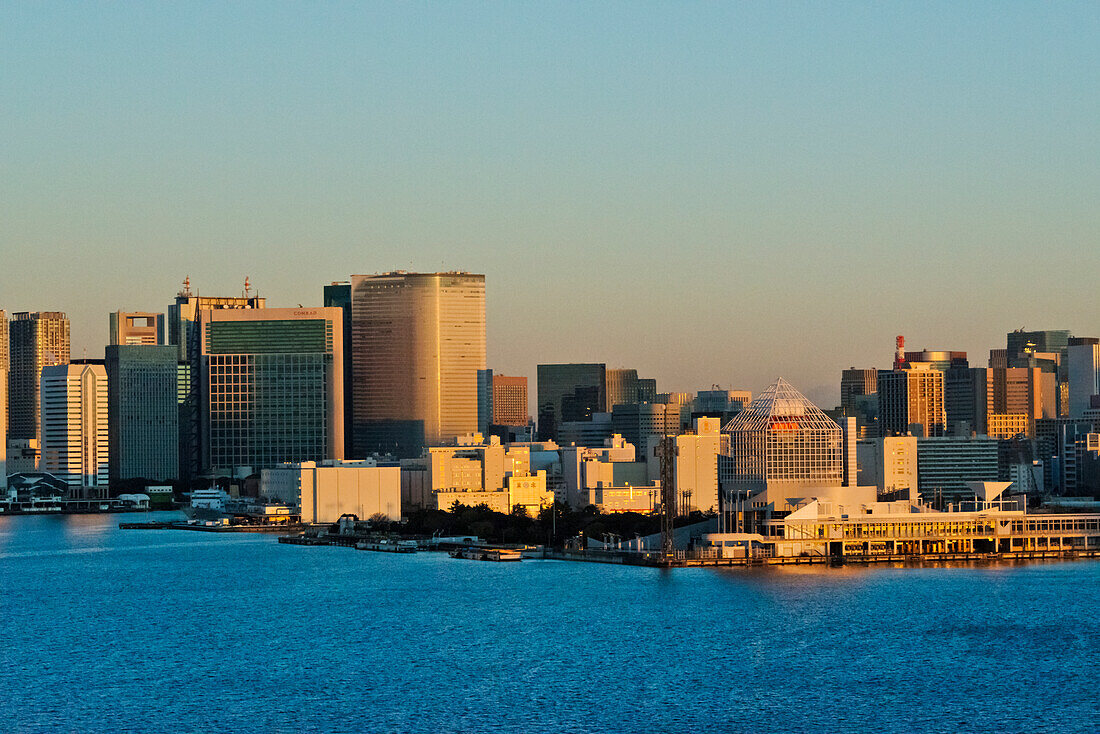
x: 487, y: 554
x: 387, y: 546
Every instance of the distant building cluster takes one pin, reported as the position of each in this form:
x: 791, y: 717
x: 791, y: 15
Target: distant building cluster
x: 379, y: 400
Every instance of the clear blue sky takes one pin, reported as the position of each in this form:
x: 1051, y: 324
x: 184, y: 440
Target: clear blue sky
x: 712, y: 193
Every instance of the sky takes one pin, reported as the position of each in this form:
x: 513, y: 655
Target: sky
x: 712, y: 193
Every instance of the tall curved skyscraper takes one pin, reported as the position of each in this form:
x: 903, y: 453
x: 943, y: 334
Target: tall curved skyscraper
x: 418, y: 340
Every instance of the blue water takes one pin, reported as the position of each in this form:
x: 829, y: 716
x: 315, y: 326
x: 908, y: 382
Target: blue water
x: 110, y: 630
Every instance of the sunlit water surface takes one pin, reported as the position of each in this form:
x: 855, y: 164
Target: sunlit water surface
x: 106, y: 629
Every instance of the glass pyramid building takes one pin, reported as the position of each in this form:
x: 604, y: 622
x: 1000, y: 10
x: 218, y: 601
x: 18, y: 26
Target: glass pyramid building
x: 780, y: 441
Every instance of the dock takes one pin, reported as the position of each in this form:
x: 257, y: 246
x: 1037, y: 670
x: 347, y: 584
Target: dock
x: 684, y: 560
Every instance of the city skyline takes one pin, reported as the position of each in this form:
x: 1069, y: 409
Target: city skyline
x: 771, y: 190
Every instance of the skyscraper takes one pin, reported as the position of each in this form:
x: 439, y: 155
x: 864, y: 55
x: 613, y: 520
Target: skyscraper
x: 37, y: 340
x: 569, y: 392
x: 135, y: 328
x: 622, y: 388
x: 183, y: 332
x: 338, y: 295
x: 143, y: 412
x: 419, y: 340
x: 1084, y: 375
x: 484, y: 400
x: 909, y: 398
x: 272, y: 386
x: 853, y: 383
x: 74, y: 423
x: 4, y: 347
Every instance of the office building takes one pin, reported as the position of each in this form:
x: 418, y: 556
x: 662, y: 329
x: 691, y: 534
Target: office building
x: 912, y: 401
x: 74, y: 423
x: 593, y: 432
x: 622, y: 387
x: 338, y: 295
x: 569, y: 392
x: 484, y: 400
x: 966, y: 400
x: 946, y: 464
x: 143, y: 412
x: 272, y: 387
x: 1084, y: 375
x: 509, y: 401
x: 183, y: 333
x: 135, y: 327
x: 419, y: 340
x: 855, y: 383
x: 1022, y: 391
x: 326, y: 490
x: 647, y: 390
x: 4, y: 363
x: 935, y: 359
x: 1005, y: 426
x: 36, y: 340
x: 3, y: 427
x: 637, y: 422
x: 1021, y: 343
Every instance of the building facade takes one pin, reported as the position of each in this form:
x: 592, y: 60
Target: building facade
x: 419, y: 340
x: 183, y: 333
x: 135, y: 327
x: 36, y: 340
x: 324, y: 491
x: 143, y: 412
x: 272, y: 387
x: 338, y: 295
x: 75, y: 440
x: 569, y: 392
x: 912, y: 399
x: 509, y: 400
x: 1084, y: 375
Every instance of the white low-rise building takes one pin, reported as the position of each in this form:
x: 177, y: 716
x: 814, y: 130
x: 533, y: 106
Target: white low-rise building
x: 325, y: 491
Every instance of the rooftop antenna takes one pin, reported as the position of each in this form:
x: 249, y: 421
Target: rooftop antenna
x: 186, y: 286
x: 899, y: 353
x: 247, y: 286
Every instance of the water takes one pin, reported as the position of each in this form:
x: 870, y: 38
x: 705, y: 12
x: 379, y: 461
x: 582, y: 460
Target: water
x: 109, y: 630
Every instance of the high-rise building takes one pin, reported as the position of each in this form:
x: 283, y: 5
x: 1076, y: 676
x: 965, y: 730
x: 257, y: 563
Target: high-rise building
x: 912, y: 400
x: 854, y: 383
x: 647, y: 390
x: 637, y: 422
x: 74, y: 423
x: 143, y: 412
x: 1046, y: 349
x: 183, y: 332
x: 509, y: 400
x: 37, y: 340
x: 936, y: 360
x: 4, y: 348
x: 1084, y: 375
x: 569, y: 392
x: 137, y: 327
x: 966, y: 400
x: 622, y: 388
x: 3, y: 426
x: 338, y: 295
x: 419, y: 340
x: 1026, y: 391
x: 484, y: 400
x: 272, y: 385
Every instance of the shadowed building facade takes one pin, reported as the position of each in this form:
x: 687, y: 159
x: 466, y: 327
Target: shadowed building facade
x: 419, y: 341
x: 143, y: 412
x: 569, y: 392
x: 36, y: 340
